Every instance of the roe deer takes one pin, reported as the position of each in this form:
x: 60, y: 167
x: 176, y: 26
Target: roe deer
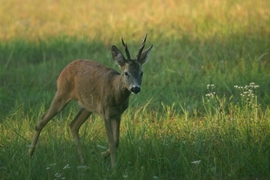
x: 100, y: 90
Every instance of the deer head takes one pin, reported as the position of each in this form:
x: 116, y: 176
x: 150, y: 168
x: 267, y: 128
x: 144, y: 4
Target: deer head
x: 131, y: 68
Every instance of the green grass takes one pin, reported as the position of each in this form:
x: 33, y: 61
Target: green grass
x: 177, y: 127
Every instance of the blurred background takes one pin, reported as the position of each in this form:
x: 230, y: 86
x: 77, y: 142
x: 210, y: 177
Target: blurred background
x: 107, y: 20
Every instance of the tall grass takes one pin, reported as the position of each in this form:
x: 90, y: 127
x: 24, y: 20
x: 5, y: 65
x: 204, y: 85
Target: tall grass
x: 203, y: 112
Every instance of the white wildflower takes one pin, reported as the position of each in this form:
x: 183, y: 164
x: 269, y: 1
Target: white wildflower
x: 102, y: 147
x: 58, y: 175
x: 125, y: 175
x: 52, y: 164
x: 196, y: 162
x: 66, y: 166
x: 81, y: 167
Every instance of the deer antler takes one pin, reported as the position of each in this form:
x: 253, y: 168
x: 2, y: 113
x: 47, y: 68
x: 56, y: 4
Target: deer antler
x: 126, y: 49
x: 141, y: 48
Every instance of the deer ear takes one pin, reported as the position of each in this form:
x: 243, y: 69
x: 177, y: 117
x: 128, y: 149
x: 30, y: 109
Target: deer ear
x: 144, y: 56
x: 118, y: 57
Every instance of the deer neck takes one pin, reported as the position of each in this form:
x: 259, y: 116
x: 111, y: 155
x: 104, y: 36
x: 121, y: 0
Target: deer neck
x: 121, y: 92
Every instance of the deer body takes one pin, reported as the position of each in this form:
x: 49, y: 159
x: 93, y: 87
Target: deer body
x: 97, y: 89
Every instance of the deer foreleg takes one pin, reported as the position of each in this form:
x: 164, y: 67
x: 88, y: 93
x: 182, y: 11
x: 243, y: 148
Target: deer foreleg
x: 112, y: 130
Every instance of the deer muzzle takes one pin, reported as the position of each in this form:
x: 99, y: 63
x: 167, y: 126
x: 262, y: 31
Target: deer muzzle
x: 135, y: 89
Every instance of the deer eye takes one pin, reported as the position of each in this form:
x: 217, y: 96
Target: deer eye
x: 126, y: 74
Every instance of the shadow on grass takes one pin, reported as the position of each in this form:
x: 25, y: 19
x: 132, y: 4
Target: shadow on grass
x: 178, y: 71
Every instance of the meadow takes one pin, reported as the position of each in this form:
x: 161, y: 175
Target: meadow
x: 203, y: 112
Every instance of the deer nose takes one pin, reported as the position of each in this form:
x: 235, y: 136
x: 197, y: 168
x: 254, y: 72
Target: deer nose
x: 135, y: 89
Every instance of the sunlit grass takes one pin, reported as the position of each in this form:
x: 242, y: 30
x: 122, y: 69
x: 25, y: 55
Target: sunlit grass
x: 166, y: 145
x: 108, y: 20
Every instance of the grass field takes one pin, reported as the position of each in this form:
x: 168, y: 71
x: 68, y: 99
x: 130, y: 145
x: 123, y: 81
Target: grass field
x: 203, y: 112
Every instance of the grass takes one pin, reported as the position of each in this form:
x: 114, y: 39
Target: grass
x: 192, y: 119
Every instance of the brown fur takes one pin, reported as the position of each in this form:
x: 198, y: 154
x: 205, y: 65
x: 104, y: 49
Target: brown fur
x: 97, y: 89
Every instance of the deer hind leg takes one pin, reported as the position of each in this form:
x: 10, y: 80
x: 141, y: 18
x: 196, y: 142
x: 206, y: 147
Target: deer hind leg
x: 58, y: 103
x: 75, y: 125
x: 112, y: 130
